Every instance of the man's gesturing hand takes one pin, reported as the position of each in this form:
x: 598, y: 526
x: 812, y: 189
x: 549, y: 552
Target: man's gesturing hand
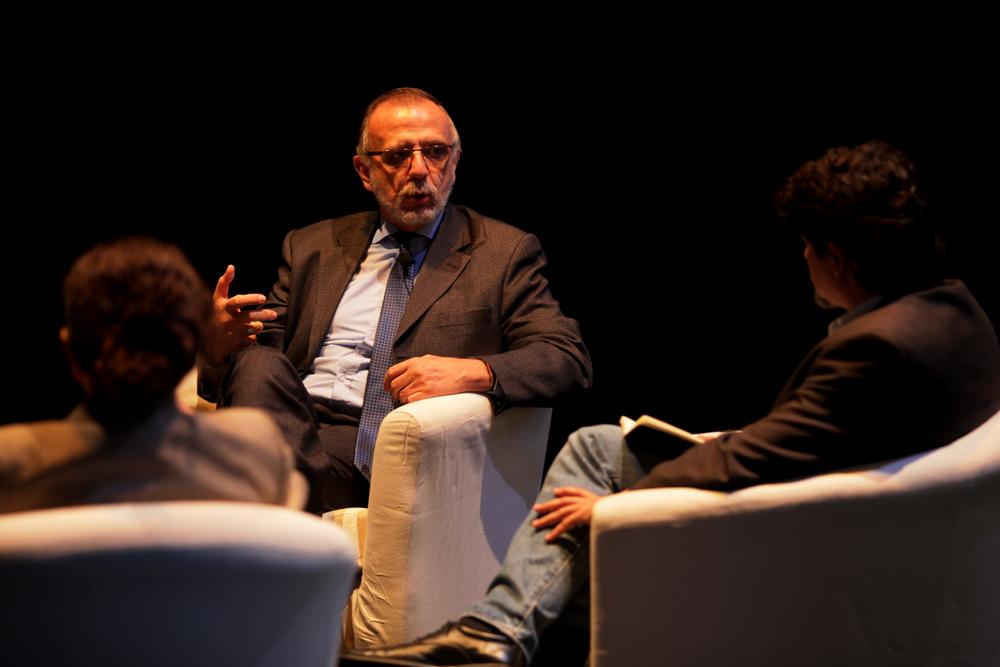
x: 233, y: 328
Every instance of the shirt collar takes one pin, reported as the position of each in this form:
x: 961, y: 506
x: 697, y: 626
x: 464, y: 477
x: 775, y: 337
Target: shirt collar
x: 386, y: 228
x: 862, y: 308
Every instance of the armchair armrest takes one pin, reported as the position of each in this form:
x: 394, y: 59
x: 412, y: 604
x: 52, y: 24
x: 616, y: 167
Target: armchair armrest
x: 186, y: 393
x: 892, y: 564
x: 451, y: 482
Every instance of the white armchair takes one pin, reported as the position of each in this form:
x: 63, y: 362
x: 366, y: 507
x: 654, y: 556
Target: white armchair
x: 450, y: 484
x: 177, y: 583
x: 897, y: 564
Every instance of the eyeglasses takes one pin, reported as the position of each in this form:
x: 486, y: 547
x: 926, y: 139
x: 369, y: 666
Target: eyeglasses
x: 436, y: 154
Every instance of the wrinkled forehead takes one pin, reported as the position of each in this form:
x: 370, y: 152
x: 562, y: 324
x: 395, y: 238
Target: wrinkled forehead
x: 396, y: 124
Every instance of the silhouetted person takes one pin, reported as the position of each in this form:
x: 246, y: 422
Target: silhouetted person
x: 135, y: 316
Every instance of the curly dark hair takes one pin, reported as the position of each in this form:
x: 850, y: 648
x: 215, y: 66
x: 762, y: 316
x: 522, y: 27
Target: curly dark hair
x: 136, y: 311
x: 865, y: 200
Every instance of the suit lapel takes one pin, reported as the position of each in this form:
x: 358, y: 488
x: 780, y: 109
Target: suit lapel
x: 338, y: 262
x: 443, y: 264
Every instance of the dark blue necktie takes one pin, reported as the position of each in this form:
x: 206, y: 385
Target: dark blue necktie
x: 378, y: 402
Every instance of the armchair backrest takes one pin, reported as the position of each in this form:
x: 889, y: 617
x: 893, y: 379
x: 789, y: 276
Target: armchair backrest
x: 896, y: 564
x: 178, y: 583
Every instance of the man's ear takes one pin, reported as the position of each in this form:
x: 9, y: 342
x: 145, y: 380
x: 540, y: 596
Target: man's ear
x: 364, y: 171
x: 838, y: 260
x: 81, y: 377
x: 64, y: 339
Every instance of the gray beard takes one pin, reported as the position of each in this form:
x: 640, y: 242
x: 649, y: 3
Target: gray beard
x: 419, y: 218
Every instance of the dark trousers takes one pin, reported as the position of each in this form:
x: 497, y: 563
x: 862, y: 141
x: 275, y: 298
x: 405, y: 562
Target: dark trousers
x: 323, y: 440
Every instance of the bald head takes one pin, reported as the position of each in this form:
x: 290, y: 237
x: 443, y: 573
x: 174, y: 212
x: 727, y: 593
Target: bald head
x: 398, y: 97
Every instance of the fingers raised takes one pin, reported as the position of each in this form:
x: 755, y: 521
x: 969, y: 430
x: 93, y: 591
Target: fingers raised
x: 233, y: 304
x: 225, y: 280
x: 262, y: 315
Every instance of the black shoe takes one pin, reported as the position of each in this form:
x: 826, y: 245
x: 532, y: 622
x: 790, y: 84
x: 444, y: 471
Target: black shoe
x: 453, y: 644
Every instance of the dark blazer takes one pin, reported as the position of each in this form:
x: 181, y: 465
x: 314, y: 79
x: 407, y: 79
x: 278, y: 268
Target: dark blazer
x: 480, y: 293
x: 914, y: 374
x: 235, y: 454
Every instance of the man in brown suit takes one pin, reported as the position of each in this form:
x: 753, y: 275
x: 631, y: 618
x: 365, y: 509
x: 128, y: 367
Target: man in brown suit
x: 476, y: 316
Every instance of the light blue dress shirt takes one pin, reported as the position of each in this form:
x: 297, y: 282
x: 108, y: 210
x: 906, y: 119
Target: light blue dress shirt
x: 338, y: 375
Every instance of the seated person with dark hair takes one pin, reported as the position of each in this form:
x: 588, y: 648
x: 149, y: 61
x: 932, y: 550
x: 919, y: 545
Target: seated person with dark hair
x: 912, y: 365
x: 135, y: 315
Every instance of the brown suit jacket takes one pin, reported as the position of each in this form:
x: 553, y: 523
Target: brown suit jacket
x: 233, y: 454
x: 480, y: 293
x: 914, y: 374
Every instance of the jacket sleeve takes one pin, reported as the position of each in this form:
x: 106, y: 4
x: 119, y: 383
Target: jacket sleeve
x: 274, y: 331
x: 845, y: 412
x: 545, y: 355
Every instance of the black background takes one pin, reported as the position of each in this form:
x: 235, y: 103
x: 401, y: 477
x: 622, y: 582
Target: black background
x: 648, y: 179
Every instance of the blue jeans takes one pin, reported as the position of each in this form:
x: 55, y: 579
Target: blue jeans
x: 540, y: 581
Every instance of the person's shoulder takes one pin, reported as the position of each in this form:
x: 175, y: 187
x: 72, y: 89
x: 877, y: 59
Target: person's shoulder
x: 921, y: 313
x: 484, y: 228
x: 324, y: 228
x: 934, y: 322
x: 951, y: 297
x: 477, y: 219
x: 250, y: 427
x: 30, y: 449
x: 246, y: 437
